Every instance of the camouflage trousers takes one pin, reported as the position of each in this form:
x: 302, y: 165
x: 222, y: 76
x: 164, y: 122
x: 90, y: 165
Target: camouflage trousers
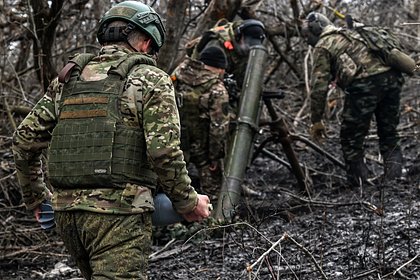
x: 377, y: 96
x: 107, y: 246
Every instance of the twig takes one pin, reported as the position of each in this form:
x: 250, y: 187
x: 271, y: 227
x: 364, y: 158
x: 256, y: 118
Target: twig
x: 32, y: 250
x: 227, y: 226
x: 309, y: 255
x: 9, y: 114
x: 162, y: 249
x: 370, y: 206
x: 170, y: 252
x: 405, y: 264
x: 285, y: 236
x: 362, y: 274
x: 8, y: 176
x: 274, y: 157
x: 250, y: 267
x: 410, y: 23
x: 307, y: 87
x: 22, y: 91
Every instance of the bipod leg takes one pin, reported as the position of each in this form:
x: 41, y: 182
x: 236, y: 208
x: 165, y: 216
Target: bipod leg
x: 261, y: 146
x: 280, y: 129
x: 318, y: 149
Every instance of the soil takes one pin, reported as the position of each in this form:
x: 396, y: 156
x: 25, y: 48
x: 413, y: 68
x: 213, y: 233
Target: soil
x: 339, y: 232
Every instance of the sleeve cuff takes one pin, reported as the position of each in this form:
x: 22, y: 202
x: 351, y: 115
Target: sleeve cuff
x: 187, y: 206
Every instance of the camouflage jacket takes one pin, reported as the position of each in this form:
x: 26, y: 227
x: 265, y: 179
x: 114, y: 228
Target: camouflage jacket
x: 341, y: 57
x: 148, y: 96
x: 206, y: 124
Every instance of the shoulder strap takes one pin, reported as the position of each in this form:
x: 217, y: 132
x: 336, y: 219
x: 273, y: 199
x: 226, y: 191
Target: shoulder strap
x: 80, y: 60
x: 379, y: 38
x: 123, y: 66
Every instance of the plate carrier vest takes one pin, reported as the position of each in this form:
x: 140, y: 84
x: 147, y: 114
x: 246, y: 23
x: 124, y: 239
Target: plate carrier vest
x: 91, y: 146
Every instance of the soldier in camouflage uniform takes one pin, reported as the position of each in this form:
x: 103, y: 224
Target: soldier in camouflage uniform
x: 235, y: 39
x: 371, y: 88
x: 203, y: 103
x: 111, y: 126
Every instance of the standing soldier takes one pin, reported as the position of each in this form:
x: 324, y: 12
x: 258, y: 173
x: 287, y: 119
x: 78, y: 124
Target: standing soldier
x: 111, y: 126
x: 371, y: 87
x: 203, y: 103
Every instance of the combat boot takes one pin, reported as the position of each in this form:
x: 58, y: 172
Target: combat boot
x: 357, y: 172
x: 393, y: 164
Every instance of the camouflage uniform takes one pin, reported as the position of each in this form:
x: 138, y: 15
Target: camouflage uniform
x: 204, y: 110
x: 371, y: 88
x: 88, y: 216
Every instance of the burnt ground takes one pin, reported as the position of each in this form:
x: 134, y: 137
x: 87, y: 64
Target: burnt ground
x: 339, y: 232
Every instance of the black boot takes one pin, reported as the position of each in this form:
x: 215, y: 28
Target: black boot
x: 393, y: 164
x: 357, y: 172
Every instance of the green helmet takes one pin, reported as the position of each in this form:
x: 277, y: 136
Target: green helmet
x: 137, y: 15
x: 315, y: 24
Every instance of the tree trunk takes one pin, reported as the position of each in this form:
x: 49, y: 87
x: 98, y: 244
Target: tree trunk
x: 44, y: 20
x: 176, y: 10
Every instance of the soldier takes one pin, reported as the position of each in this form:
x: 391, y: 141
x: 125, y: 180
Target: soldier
x: 235, y: 39
x: 370, y: 86
x: 203, y: 103
x: 111, y: 124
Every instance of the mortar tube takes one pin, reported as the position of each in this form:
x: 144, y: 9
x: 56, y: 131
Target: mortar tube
x: 241, y: 147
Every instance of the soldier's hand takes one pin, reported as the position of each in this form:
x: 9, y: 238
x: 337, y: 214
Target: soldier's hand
x: 317, y: 132
x: 201, y: 211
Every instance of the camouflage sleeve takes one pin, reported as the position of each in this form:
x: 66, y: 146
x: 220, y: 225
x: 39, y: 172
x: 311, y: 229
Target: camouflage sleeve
x: 321, y: 77
x: 29, y: 140
x: 162, y: 133
x: 219, y: 120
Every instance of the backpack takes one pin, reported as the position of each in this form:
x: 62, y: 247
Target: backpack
x: 387, y: 46
x: 221, y: 31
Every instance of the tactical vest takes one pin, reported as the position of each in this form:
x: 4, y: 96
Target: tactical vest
x: 91, y: 146
x: 194, y: 124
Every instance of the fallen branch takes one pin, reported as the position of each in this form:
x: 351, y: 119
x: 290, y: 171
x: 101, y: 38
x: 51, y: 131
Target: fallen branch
x: 377, y: 210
